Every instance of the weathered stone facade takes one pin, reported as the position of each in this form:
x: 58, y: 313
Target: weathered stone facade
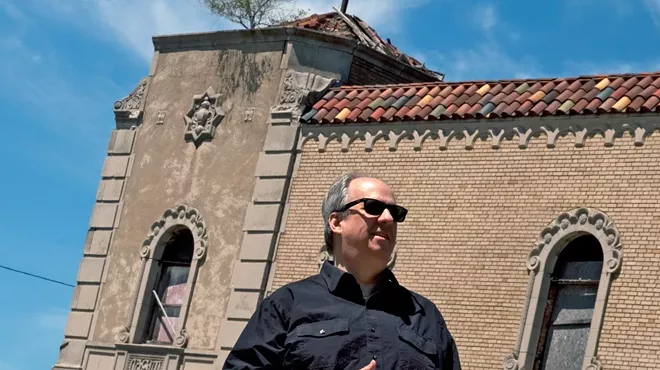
x: 206, y: 143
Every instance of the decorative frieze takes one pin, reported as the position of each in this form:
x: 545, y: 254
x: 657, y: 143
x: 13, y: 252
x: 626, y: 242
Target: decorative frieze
x: 439, y: 134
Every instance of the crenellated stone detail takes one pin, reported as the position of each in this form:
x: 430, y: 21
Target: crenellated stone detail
x: 521, y: 131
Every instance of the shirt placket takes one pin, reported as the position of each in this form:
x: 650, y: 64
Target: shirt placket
x: 374, y: 345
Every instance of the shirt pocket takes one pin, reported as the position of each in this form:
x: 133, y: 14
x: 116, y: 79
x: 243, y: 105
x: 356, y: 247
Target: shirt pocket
x: 416, y: 351
x: 320, y: 345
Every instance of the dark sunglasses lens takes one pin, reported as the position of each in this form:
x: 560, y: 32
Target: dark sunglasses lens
x: 376, y: 208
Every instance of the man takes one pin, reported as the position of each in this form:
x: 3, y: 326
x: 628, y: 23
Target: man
x: 353, y: 314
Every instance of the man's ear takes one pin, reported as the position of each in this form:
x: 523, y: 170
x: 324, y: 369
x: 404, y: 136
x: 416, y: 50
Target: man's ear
x: 334, y: 221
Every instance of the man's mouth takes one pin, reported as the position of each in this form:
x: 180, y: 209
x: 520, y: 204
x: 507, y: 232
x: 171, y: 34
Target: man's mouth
x: 382, y: 235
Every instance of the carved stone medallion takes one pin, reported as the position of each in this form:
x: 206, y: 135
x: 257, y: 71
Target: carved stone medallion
x: 203, y: 117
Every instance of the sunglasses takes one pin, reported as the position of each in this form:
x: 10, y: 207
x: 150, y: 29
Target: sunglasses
x: 375, y: 207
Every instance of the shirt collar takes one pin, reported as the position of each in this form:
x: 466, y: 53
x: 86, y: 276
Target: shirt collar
x: 332, y: 276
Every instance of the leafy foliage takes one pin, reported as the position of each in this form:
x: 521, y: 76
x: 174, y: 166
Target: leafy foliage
x: 252, y: 14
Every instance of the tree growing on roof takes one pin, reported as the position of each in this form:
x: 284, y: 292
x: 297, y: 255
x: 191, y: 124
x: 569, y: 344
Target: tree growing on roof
x: 252, y: 14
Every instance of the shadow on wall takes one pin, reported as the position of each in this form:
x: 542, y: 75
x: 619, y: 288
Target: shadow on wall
x: 245, y: 69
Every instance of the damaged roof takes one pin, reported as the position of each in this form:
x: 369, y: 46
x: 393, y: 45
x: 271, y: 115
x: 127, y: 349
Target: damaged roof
x: 350, y: 26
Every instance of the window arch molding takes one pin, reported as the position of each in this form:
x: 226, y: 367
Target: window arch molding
x: 173, y: 219
x: 541, y: 261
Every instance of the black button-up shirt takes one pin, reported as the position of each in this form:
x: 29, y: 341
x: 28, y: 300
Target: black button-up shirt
x: 323, y: 322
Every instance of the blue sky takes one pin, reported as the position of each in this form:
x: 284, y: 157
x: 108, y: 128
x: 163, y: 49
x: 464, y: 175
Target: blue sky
x: 64, y: 62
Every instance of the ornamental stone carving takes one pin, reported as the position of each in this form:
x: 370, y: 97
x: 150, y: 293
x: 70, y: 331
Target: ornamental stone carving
x: 594, y: 364
x: 182, y: 215
x: 511, y: 362
x: 300, y: 89
x: 544, y: 131
x: 139, y: 362
x: 203, y: 117
x: 580, y: 220
x: 132, y: 105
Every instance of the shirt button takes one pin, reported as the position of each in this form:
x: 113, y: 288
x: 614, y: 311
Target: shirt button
x: 322, y: 332
x: 373, y: 330
x: 375, y: 357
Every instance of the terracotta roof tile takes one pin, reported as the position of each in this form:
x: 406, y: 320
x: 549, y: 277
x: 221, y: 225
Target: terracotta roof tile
x: 488, y: 99
x: 635, y: 104
x: 621, y: 104
x: 425, y: 100
x: 423, y: 91
x: 435, y: 91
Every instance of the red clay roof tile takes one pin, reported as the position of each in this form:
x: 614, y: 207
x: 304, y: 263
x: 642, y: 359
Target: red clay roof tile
x: 490, y: 99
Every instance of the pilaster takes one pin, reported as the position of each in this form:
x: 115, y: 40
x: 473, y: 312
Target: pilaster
x: 266, y: 214
x: 104, y: 220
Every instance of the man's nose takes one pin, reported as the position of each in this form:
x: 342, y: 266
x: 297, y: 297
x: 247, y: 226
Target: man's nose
x: 386, y: 216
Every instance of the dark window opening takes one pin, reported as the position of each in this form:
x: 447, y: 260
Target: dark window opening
x: 170, y: 283
x: 570, y: 306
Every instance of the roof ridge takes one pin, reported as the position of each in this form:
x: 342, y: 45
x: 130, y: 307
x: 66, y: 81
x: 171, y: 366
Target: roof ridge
x: 503, y: 81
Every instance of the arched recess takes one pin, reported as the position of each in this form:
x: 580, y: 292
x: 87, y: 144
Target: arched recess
x: 178, y: 227
x: 541, y: 264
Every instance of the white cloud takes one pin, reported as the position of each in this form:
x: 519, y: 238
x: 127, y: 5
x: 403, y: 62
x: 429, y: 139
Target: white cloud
x: 654, y: 10
x: 575, y: 68
x: 486, y: 17
x: 483, y: 62
x: 132, y: 23
x: 7, y: 366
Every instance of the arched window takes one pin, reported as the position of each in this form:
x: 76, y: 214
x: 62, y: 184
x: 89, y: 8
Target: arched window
x: 171, y: 256
x: 571, y: 268
x: 570, y: 305
x: 167, y: 295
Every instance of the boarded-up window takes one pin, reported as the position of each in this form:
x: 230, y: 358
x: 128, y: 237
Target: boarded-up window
x: 570, y: 305
x: 174, y: 266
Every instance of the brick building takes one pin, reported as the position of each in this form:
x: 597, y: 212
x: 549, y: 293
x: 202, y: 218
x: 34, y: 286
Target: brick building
x: 533, y: 211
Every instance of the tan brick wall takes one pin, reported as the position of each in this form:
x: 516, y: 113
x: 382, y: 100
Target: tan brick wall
x: 474, y: 216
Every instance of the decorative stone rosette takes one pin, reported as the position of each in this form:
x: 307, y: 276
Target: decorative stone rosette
x: 203, y: 117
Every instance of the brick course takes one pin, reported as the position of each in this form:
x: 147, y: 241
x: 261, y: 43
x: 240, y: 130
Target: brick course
x: 474, y: 216
x: 365, y: 73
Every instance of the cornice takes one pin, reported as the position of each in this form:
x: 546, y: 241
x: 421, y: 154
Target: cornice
x: 438, y: 134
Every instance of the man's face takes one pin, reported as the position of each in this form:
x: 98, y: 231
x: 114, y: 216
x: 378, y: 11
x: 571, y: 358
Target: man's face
x: 370, y: 238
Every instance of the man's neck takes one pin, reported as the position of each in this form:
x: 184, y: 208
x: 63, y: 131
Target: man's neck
x: 363, y: 275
